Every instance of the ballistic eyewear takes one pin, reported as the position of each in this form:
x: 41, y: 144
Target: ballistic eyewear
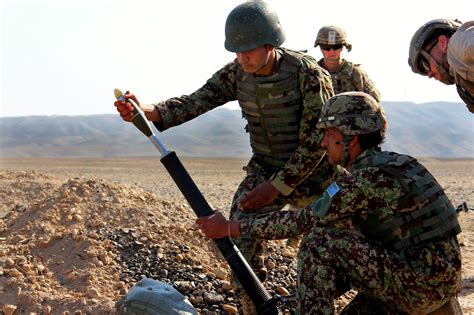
x: 329, y: 47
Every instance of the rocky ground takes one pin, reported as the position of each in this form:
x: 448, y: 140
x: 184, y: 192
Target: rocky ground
x: 77, y: 233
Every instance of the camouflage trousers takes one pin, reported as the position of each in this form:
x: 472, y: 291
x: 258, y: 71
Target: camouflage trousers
x: 331, y: 261
x: 256, y: 173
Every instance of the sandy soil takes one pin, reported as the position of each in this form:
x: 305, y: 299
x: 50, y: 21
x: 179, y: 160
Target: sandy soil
x: 57, y: 254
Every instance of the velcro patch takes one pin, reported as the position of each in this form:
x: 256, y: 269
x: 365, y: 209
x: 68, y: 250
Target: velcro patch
x: 332, y: 38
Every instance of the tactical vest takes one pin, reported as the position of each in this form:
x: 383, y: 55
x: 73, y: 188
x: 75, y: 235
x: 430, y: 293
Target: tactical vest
x: 273, y: 106
x: 426, y: 214
x: 466, y: 91
x: 342, y: 80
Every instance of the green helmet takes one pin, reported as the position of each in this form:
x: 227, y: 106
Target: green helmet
x: 250, y: 25
x: 332, y: 35
x: 424, y: 36
x: 353, y: 113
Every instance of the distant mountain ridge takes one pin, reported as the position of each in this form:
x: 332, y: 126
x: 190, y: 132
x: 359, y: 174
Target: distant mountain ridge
x: 439, y: 129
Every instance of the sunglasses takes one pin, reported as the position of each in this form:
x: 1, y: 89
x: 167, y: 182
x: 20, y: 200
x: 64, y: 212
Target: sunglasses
x: 329, y: 47
x: 425, y: 55
x: 425, y: 65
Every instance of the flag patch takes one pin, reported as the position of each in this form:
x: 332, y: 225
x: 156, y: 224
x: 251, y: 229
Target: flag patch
x: 333, y: 189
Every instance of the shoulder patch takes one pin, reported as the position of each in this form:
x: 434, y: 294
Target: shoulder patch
x: 333, y: 189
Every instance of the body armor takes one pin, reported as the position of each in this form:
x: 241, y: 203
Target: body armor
x: 465, y: 90
x: 427, y: 214
x: 272, y: 106
x: 342, y: 80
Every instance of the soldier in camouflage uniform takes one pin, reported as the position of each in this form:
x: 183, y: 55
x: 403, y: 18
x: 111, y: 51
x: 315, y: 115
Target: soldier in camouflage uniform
x: 346, y: 76
x: 444, y: 49
x: 386, y: 229
x: 281, y: 93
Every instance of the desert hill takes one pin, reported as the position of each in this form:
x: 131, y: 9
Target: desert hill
x: 423, y: 130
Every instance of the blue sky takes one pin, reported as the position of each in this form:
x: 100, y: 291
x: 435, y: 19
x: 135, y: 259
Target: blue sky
x: 66, y: 57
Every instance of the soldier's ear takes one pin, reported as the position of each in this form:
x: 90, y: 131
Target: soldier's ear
x: 269, y: 47
x: 354, y: 146
x: 443, y: 41
x: 354, y: 141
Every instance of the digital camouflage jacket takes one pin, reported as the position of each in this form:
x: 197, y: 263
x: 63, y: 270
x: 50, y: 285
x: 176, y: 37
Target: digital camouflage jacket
x: 315, y: 87
x: 350, y: 77
x: 372, y: 201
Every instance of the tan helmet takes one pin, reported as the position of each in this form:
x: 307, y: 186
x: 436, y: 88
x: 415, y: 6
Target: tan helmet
x: 332, y: 35
x: 427, y: 33
x: 252, y: 24
x: 353, y: 113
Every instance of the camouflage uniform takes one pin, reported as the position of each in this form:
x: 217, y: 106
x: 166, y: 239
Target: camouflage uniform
x: 387, y: 229
x: 351, y: 77
x: 459, y: 56
x: 295, y: 173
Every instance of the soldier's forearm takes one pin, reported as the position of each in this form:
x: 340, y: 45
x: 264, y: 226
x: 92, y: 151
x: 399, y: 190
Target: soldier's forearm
x: 151, y: 113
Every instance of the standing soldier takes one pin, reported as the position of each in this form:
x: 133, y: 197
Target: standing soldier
x: 346, y: 76
x: 387, y: 229
x: 281, y: 93
x: 444, y: 49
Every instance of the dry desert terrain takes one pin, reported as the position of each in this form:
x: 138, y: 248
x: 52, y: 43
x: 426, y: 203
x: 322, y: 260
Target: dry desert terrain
x: 75, y: 234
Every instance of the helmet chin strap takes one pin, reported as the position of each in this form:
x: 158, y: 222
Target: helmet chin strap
x: 265, y: 63
x: 446, y: 78
x: 345, y: 146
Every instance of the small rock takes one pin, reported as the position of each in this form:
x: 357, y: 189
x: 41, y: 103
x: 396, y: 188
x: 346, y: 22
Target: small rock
x: 271, y: 264
x: 230, y: 309
x: 9, y: 263
x: 283, y: 291
x: 213, y: 298
x: 21, y: 260
x: 183, y: 285
x: 14, y: 273
x: 226, y: 285
x: 47, y: 310
x: 221, y: 273
x: 9, y: 309
x: 288, y: 252
x: 197, y: 300
x: 93, y: 293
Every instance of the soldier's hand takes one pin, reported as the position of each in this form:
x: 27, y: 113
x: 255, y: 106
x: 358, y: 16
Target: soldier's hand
x: 259, y: 197
x: 213, y: 226
x: 124, y: 108
x: 217, y: 226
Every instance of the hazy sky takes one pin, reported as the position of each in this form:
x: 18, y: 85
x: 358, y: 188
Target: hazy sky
x: 66, y: 57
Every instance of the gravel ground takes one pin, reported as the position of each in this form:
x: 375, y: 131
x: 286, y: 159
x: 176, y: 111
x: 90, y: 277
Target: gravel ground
x: 77, y: 233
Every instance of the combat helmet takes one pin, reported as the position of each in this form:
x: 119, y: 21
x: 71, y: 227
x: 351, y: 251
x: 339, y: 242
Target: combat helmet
x: 425, y: 36
x: 252, y: 24
x: 353, y: 113
x: 332, y: 35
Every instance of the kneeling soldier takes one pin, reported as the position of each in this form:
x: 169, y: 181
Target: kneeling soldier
x: 384, y: 228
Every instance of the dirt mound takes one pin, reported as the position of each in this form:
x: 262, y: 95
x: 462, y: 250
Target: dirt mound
x: 82, y: 244
x: 56, y: 252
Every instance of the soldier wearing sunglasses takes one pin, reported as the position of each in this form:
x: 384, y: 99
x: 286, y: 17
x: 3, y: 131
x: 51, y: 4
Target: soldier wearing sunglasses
x: 346, y: 76
x: 444, y: 49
